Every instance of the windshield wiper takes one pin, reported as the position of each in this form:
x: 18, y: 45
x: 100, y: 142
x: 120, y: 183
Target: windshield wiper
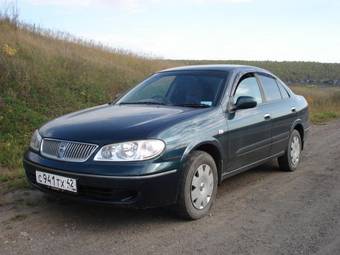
x: 193, y: 105
x: 141, y: 102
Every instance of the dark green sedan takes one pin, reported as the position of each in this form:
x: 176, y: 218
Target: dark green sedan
x: 171, y: 140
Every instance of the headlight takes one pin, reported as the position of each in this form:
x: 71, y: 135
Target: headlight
x: 36, y: 141
x: 131, y: 151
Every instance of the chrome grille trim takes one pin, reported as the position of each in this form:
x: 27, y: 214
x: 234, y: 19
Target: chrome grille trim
x: 72, y: 151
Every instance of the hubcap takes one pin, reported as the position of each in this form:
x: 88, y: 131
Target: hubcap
x: 295, y: 150
x: 202, y: 186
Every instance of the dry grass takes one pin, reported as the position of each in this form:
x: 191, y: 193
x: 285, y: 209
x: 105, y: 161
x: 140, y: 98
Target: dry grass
x: 324, y: 102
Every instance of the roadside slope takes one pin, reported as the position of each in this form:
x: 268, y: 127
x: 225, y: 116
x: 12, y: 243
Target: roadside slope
x: 45, y: 74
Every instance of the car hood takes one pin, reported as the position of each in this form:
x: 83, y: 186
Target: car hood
x: 113, y: 123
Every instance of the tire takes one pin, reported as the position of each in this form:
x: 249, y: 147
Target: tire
x: 199, y: 171
x: 289, y: 162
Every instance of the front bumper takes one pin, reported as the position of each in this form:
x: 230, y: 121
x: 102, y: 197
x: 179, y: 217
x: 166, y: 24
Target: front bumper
x: 142, y: 191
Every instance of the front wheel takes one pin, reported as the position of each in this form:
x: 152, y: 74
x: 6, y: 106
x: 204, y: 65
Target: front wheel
x: 292, y: 157
x: 198, y: 186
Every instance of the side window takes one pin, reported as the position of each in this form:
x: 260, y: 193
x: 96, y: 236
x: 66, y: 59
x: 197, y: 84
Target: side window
x: 284, y: 92
x: 248, y: 86
x: 270, y: 87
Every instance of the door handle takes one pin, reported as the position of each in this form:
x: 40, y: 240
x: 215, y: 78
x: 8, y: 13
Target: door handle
x: 267, y: 116
x: 293, y: 109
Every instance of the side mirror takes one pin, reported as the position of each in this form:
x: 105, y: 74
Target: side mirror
x: 245, y: 102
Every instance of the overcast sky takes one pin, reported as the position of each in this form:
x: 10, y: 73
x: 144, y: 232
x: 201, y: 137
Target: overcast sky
x: 306, y: 30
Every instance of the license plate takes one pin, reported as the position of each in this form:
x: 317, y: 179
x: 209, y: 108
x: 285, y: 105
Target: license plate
x: 56, y: 181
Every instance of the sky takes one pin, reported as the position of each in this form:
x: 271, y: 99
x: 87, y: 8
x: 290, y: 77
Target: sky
x: 300, y: 30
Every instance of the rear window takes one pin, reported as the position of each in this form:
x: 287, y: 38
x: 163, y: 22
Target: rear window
x: 270, y: 87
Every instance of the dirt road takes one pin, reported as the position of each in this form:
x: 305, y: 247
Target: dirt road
x: 262, y: 211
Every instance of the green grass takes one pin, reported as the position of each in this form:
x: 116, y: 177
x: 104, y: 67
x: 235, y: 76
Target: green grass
x: 322, y: 117
x: 44, y: 74
x: 12, y: 179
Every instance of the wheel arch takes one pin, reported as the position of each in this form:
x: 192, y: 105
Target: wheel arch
x: 213, y: 148
x: 297, y: 125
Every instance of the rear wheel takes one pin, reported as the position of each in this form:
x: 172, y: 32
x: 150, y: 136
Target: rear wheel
x: 198, y: 186
x: 291, y: 159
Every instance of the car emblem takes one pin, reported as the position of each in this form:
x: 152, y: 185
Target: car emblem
x: 61, y: 150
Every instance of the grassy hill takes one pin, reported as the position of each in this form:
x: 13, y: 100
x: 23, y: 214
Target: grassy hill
x: 44, y: 74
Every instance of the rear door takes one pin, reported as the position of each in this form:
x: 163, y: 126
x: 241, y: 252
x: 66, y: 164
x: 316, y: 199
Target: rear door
x: 282, y: 113
x: 249, y: 130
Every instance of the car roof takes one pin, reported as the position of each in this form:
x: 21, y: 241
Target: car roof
x: 218, y: 67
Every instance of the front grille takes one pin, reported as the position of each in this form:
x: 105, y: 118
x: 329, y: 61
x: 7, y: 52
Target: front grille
x: 67, y: 150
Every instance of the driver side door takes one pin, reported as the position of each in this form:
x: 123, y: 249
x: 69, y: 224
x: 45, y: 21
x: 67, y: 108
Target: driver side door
x: 249, y: 134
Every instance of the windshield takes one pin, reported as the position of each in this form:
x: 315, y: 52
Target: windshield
x: 191, y: 89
